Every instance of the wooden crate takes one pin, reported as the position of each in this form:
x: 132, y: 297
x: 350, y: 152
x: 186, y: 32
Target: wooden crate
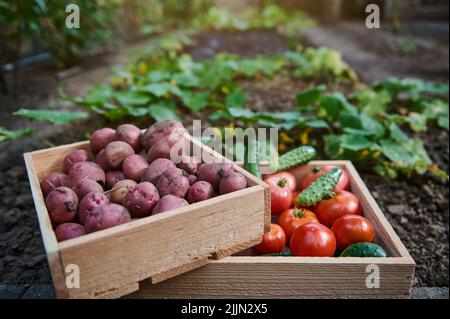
x: 246, y: 276
x: 113, y: 262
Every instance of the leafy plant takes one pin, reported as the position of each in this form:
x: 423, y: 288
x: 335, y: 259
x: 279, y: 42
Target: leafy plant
x: 52, y: 116
x: 6, y: 135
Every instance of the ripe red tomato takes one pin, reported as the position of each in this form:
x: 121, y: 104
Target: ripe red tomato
x: 273, y: 242
x: 313, y: 240
x: 293, y: 218
x: 280, y: 194
x: 316, y: 172
x: 291, y: 181
x: 343, y: 203
x: 350, y: 229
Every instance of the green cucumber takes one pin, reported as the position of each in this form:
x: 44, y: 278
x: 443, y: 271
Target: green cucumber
x: 297, y: 156
x: 251, y: 165
x: 319, y: 189
x: 364, y: 250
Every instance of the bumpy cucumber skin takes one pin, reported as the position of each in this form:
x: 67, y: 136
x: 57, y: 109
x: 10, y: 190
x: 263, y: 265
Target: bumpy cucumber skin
x: 364, y: 250
x: 319, y: 189
x: 253, y: 167
x: 297, y: 156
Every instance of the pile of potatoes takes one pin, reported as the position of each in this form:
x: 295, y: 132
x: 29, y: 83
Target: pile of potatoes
x: 127, y: 175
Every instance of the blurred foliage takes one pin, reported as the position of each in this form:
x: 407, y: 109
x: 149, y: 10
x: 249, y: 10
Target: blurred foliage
x: 52, y: 116
x: 45, y: 20
x: 269, y: 16
x: 7, y: 135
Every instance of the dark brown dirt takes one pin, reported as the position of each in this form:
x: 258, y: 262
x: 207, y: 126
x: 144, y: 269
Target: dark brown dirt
x: 416, y: 207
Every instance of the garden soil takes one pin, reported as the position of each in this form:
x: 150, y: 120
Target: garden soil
x: 417, y: 207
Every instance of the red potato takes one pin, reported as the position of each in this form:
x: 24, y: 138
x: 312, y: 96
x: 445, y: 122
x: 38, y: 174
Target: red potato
x: 155, y: 169
x: 131, y: 135
x: 113, y: 177
x: 231, y: 182
x: 52, y: 181
x: 84, y: 186
x: 106, y: 216
x: 100, y: 159
x: 89, y: 202
x: 141, y: 199
x: 189, y: 164
x: 169, y: 202
x: 116, y: 152
x: 120, y: 189
x: 213, y: 172
x: 163, y: 147
x: 75, y: 157
x: 62, y: 204
x: 192, y: 179
x: 86, y: 170
x: 159, y: 130
x: 173, y: 182
x: 68, y: 231
x: 101, y: 138
x: 199, y: 191
x: 134, y: 167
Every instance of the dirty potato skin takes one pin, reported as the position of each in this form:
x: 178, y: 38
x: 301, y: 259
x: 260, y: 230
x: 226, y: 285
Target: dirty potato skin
x: 134, y: 167
x: 159, y: 130
x: 85, y: 186
x: 75, y: 157
x: 86, y: 170
x: 199, y: 191
x: 116, y: 152
x: 67, y: 231
x: 89, y: 202
x: 100, y: 138
x: 120, y: 189
x: 155, y: 169
x: 131, y: 135
x: 173, y: 181
x: 100, y: 159
x: 213, y: 172
x: 106, y: 216
x: 163, y: 147
x: 189, y: 164
x: 169, y: 202
x: 141, y: 199
x: 231, y: 182
x: 62, y: 204
x: 52, y: 181
x: 113, y: 177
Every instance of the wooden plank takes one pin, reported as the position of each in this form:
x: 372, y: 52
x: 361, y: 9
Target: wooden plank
x: 47, y: 233
x: 240, y: 247
x: 186, y: 267
x: 115, y: 293
x: 285, y: 277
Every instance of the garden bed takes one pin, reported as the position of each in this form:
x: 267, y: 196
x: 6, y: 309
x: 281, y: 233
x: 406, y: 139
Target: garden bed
x: 417, y: 209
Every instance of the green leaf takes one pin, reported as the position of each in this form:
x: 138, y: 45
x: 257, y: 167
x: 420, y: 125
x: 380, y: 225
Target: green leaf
x: 397, y: 134
x: 235, y: 99
x: 417, y: 122
x: 317, y: 124
x: 98, y: 95
x: 335, y: 103
x: 186, y: 80
x: 163, y: 112
x: 396, y: 152
x: 356, y: 143
x: 310, y: 96
x: 195, y: 101
x: 131, y: 98
x: 158, y: 76
x: 13, y: 135
x: 160, y: 89
x: 52, y: 116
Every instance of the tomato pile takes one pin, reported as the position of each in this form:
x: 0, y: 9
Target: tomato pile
x: 334, y: 226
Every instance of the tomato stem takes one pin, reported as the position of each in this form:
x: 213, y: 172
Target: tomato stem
x: 282, y: 182
x: 299, y: 212
x: 315, y: 169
